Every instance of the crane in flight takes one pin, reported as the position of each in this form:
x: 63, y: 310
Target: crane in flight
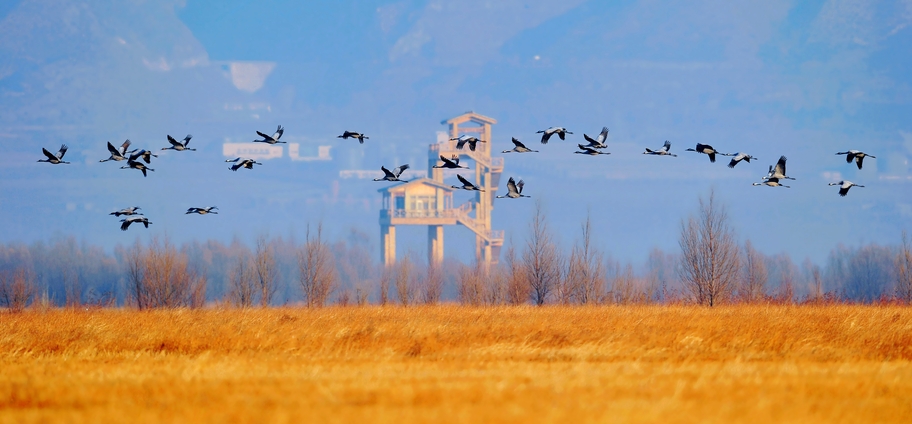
x: 271, y: 139
x: 52, y: 158
x: 394, y: 174
x: 352, y: 134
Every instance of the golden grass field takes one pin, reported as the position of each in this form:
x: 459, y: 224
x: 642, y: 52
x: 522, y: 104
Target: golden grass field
x: 449, y: 363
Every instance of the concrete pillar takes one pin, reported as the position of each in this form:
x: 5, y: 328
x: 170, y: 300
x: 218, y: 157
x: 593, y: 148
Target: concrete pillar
x: 388, y: 244
x: 435, y: 244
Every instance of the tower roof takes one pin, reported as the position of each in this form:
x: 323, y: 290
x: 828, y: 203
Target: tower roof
x: 470, y: 116
x: 419, y: 181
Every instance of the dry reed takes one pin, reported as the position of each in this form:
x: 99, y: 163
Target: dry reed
x: 459, y: 364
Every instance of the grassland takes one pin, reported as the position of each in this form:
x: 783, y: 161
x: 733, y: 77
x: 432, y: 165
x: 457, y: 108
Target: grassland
x: 459, y: 364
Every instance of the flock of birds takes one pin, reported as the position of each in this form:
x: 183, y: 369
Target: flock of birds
x: 139, y: 159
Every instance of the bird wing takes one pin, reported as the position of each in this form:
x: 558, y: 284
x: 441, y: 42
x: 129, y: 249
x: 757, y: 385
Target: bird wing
x: 174, y: 142
x: 511, y: 186
x: 126, y: 145
x: 113, y: 149
x: 400, y: 169
x: 464, y: 181
x: 387, y: 172
x: 734, y: 161
x: 455, y: 160
x: 858, y: 160
x: 518, y: 143
x: 461, y: 142
x: 844, y: 190
x: 278, y: 133
x: 520, y: 185
x: 849, y: 157
x: 546, y: 136
x: 589, y: 139
x: 667, y: 146
x: 62, y: 151
x: 125, y: 225
x: 266, y: 137
x: 48, y: 154
x: 562, y: 134
x: 603, y: 135
x: 780, y: 165
x: 187, y: 139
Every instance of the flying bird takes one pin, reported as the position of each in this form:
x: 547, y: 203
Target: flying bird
x: 844, y: 187
x: 772, y: 182
x: 466, y: 185
x: 394, y: 174
x: 177, y: 145
x: 778, y: 171
x: 514, y: 189
x: 708, y: 150
x: 135, y: 218
x: 586, y: 150
x: 127, y: 211
x: 271, y: 139
x: 546, y: 134
x: 662, y: 151
x: 52, y: 158
x: 133, y: 164
x: 857, y: 155
x: 598, y: 142
x: 117, y: 154
x: 739, y: 157
x: 519, y: 147
x: 202, y: 211
x: 142, y: 153
x: 450, y: 163
x: 353, y: 134
x: 242, y: 163
x: 472, y: 141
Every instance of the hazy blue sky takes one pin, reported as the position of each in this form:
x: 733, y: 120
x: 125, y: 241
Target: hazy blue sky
x: 801, y: 79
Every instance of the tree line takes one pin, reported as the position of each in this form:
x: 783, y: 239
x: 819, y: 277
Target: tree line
x: 712, y: 267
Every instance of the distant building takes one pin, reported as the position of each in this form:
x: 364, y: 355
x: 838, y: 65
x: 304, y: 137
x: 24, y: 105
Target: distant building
x: 252, y: 150
x: 429, y: 201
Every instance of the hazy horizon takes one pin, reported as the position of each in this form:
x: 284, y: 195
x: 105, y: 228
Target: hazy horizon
x: 804, y: 80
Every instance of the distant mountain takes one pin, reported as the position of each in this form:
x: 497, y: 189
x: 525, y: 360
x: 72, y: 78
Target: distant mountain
x: 77, y: 65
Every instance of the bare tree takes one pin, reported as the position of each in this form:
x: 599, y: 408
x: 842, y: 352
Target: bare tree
x: 661, y: 268
x: 753, y: 281
x: 709, y: 254
x: 317, y: 274
x: 470, y: 284
x: 405, y: 290
x: 242, y: 285
x: 518, y: 291
x: 904, y: 270
x: 72, y: 291
x: 585, y: 279
x: 626, y: 287
x: 159, y: 277
x: 433, y: 285
x: 541, y: 259
x: 870, y: 273
x: 17, y: 289
x: 496, y: 286
x: 265, y: 269
x: 818, y: 284
x: 386, y: 275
